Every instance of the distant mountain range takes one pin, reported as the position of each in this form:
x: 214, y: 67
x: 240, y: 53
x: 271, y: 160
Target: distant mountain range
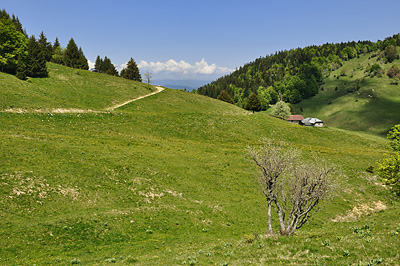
x: 189, y: 85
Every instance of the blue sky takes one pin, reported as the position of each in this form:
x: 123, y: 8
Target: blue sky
x: 203, y: 39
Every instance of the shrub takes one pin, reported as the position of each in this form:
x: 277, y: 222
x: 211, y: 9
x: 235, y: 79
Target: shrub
x: 225, y: 97
x: 394, y: 81
x: 375, y: 70
x: 370, y: 169
x: 393, y: 72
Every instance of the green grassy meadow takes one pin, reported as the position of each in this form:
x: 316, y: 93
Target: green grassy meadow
x: 166, y: 181
x: 67, y: 88
x: 374, y: 108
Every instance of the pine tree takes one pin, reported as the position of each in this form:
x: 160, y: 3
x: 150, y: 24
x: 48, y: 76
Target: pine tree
x: 45, y: 47
x: 56, y: 44
x: 21, y: 67
x: 18, y: 25
x: 98, y: 64
x: 224, y: 96
x: 82, y: 62
x: 36, y: 63
x: 253, y: 104
x: 71, y: 54
x: 108, y: 67
x: 131, y: 71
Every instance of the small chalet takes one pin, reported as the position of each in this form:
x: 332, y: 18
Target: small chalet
x: 295, y: 119
x: 312, y: 122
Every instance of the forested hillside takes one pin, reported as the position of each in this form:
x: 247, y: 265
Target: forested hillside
x: 295, y: 74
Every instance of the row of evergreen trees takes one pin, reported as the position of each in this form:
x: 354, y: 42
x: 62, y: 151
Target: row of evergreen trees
x: 131, y: 71
x: 24, y: 56
x: 295, y: 74
x: 27, y: 56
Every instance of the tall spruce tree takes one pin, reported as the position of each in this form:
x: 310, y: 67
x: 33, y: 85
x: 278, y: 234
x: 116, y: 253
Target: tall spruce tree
x: 108, y: 67
x: 82, y: 62
x: 21, y: 67
x: 56, y: 44
x: 71, y: 54
x: 131, y: 71
x: 45, y: 47
x: 36, y: 62
x: 98, y: 64
x: 253, y: 103
x: 225, y: 97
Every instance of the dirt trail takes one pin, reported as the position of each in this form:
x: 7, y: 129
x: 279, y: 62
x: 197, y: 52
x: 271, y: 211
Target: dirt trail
x: 79, y: 111
x: 159, y: 89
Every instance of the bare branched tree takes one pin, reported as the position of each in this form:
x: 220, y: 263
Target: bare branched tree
x: 148, y: 79
x: 296, y: 190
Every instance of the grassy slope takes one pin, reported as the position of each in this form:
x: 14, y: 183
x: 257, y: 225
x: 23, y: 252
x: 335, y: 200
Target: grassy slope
x: 374, y: 108
x: 67, y: 88
x: 166, y: 178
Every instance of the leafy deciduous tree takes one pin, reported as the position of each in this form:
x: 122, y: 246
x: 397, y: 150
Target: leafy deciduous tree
x: 149, y: 78
x: 280, y: 110
x: 391, y: 53
x: 57, y: 55
x: 389, y: 167
x: 13, y: 46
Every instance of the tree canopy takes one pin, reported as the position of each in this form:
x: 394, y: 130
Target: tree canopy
x: 224, y: 96
x: 74, y: 57
x: 105, y: 66
x: 389, y: 167
x: 280, y: 110
x: 36, y: 62
x: 131, y: 71
x: 253, y: 103
x: 13, y: 46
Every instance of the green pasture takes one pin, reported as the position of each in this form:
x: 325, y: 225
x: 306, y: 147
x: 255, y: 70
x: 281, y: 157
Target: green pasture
x: 166, y: 181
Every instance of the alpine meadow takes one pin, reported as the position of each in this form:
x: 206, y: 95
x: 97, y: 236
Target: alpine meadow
x: 100, y: 168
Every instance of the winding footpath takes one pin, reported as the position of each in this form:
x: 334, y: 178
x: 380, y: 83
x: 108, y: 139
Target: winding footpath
x: 75, y: 110
x: 159, y: 89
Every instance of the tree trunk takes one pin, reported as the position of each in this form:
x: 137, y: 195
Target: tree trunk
x: 269, y: 217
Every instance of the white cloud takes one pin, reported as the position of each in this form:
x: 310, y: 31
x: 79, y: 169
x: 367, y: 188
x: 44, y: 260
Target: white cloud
x: 91, y: 64
x: 120, y: 67
x: 182, y: 69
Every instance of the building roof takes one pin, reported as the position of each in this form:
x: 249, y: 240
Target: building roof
x: 296, y: 117
x: 310, y: 121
